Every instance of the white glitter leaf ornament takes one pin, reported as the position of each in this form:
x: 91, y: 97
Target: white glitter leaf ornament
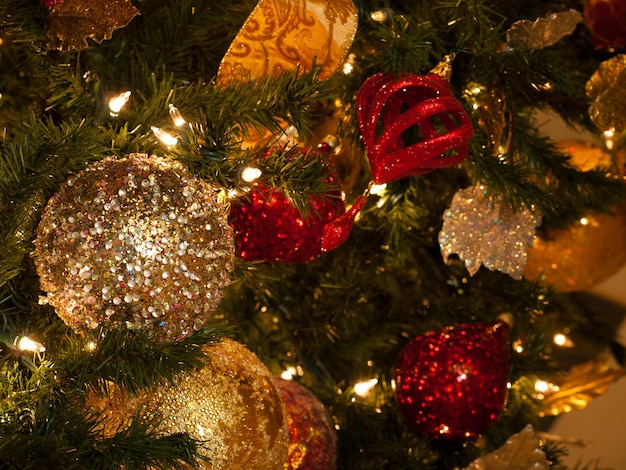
x: 483, y: 232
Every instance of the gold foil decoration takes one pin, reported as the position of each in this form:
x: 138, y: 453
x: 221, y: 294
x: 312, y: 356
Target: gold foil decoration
x: 230, y: 406
x: 282, y: 35
x: 607, y: 89
x: 543, y: 32
x: 576, y: 389
x: 444, y: 68
x: 73, y: 21
x: 520, y: 452
x: 488, y: 106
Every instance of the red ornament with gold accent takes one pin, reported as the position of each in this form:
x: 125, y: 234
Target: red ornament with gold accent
x: 606, y: 19
x: 411, y: 125
x: 312, y: 438
x: 268, y: 227
x: 451, y: 384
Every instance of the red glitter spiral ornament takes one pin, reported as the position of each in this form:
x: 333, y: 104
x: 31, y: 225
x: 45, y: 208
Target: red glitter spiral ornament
x: 411, y: 125
x: 606, y: 19
x: 451, y: 384
x: 312, y: 438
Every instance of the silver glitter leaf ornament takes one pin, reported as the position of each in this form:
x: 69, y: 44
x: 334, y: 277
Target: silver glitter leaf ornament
x: 483, y: 232
x: 138, y: 242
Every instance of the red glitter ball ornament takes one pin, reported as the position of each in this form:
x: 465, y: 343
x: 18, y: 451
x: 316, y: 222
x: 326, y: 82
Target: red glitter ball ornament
x: 451, y: 384
x: 51, y: 3
x: 411, y: 125
x: 606, y: 19
x: 268, y: 227
x: 312, y: 438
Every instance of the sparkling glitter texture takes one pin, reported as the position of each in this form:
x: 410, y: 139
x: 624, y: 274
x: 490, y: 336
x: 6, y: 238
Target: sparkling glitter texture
x: 420, y: 109
x: 481, y: 231
x: 451, y: 384
x: 268, y: 227
x: 135, y: 241
x: 230, y: 405
x: 312, y: 438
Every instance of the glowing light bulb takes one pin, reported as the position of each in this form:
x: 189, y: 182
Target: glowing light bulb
x: 362, y: 388
x: 563, y: 340
x: 177, y: 118
x: 91, y: 346
x: 348, y: 66
x: 542, y: 386
x: 289, y: 373
x: 117, y: 103
x: 376, y: 189
x: 380, y: 16
x: 164, y: 137
x: 607, y: 138
x: 250, y: 174
x: 27, y: 344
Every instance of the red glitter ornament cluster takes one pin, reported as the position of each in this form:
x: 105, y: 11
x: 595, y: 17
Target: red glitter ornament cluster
x: 268, y: 227
x: 451, y: 384
x: 411, y: 125
x: 606, y: 19
x: 312, y: 438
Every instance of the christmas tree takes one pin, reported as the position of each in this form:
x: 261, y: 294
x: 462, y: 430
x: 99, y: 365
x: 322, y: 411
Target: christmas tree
x: 305, y: 234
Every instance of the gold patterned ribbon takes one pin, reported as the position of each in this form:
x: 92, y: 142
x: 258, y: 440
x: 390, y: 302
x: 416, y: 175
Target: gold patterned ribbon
x: 281, y: 35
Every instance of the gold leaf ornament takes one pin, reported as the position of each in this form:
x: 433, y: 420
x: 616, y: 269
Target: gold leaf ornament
x: 73, y: 21
x: 520, y: 452
x: 607, y: 89
x: 282, y: 35
x: 576, y: 389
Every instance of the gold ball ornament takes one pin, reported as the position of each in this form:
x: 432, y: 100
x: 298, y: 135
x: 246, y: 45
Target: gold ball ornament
x: 592, y: 249
x: 138, y: 242
x: 578, y: 258
x: 230, y: 406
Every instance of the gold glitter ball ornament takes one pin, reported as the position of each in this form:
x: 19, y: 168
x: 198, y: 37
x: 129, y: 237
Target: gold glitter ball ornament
x: 230, y: 406
x: 138, y: 242
x: 578, y: 258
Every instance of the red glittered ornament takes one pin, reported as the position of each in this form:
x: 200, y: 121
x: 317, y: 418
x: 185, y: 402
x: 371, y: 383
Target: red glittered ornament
x: 606, y: 19
x: 411, y: 125
x: 268, y: 227
x: 312, y: 438
x: 51, y: 3
x: 451, y: 384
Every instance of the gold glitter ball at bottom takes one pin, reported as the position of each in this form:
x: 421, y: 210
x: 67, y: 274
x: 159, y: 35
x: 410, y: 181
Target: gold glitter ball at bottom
x: 138, y: 242
x: 578, y: 258
x: 230, y: 406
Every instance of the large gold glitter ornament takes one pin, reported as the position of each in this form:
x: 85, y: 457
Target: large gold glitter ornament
x: 138, y: 242
x: 575, y: 259
x: 230, y: 406
x: 607, y: 89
